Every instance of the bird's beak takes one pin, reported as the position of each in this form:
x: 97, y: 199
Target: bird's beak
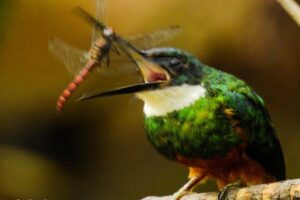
x: 122, y: 90
x: 154, y: 76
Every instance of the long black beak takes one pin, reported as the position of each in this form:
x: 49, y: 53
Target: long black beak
x: 123, y: 90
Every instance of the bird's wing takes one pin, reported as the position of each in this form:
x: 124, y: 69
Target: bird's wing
x: 248, y: 111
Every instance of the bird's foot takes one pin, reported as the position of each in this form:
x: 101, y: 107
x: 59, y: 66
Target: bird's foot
x: 187, y: 188
x: 180, y: 193
x: 224, y: 192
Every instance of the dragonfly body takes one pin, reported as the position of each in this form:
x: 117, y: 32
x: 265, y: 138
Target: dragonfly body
x: 104, y: 41
x: 100, y: 49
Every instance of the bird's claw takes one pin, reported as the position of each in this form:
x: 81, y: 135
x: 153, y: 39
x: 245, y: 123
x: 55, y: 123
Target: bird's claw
x: 224, y: 192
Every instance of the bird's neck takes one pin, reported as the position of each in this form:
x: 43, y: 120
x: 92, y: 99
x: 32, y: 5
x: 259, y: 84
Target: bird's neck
x: 164, y: 101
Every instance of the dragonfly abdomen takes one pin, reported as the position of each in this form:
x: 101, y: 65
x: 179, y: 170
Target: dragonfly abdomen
x: 97, y: 52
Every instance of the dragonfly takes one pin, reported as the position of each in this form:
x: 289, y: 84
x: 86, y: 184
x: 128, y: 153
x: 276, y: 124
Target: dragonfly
x: 106, y: 44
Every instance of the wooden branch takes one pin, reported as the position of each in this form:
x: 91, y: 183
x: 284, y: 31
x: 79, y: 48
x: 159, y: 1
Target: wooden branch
x: 284, y: 190
x: 292, y: 8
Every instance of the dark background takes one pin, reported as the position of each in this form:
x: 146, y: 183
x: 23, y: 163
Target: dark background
x: 98, y: 149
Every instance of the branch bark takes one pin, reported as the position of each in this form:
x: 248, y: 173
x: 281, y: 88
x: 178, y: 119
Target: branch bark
x: 292, y: 8
x: 284, y: 190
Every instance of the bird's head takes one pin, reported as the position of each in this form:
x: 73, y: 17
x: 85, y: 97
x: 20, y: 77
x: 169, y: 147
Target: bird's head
x: 171, y: 66
x: 160, y: 68
x: 172, y: 80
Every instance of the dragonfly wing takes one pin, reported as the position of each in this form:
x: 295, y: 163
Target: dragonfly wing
x: 73, y: 58
x: 119, y: 65
x: 152, y: 39
x: 100, y: 15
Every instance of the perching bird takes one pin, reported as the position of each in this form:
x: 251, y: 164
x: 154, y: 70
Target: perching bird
x: 208, y: 120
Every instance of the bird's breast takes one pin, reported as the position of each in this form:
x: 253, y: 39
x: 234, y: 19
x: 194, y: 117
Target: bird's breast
x: 199, y: 130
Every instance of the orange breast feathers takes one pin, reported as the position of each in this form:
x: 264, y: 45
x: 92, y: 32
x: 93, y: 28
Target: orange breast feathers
x: 231, y: 168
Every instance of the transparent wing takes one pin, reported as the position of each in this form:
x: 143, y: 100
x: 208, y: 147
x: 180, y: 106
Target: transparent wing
x: 152, y: 39
x: 73, y: 58
x: 148, y: 40
x: 118, y: 67
x: 101, y: 6
x: 142, y: 41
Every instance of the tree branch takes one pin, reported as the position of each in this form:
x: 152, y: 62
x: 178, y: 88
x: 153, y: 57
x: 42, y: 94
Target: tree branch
x: 284, y: 190
x: 292, y: 8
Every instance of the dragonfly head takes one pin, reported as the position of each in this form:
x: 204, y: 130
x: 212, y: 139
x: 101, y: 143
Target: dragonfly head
x: 108, y: 32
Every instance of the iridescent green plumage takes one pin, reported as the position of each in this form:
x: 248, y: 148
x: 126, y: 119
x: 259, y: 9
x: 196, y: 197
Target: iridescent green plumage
x: 203, y: 129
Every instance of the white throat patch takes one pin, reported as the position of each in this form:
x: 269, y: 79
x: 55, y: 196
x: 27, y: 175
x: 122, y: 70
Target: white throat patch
x: 160, y: 102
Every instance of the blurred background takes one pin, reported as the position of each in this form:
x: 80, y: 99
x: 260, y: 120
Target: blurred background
x: 98, y: 149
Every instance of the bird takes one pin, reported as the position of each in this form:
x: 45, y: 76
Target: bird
x: 208, y: 120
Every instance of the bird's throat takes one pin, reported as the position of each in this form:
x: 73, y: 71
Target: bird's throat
x: 163, y: 101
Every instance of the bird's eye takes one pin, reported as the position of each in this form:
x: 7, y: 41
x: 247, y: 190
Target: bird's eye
x: 175, y: 61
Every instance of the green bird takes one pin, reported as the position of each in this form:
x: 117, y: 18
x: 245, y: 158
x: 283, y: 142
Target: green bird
x: 208, y: 120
